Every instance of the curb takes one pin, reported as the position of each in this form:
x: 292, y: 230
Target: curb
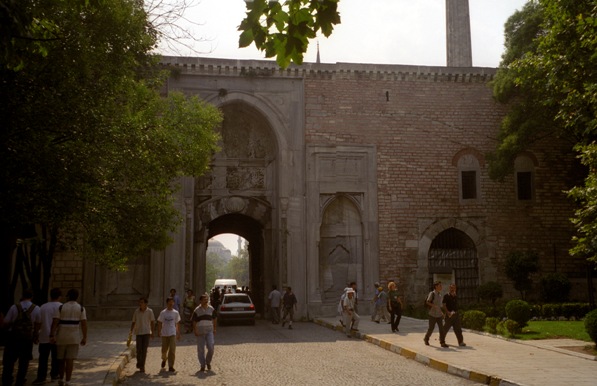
x: 115, y: 371
x: 421, y: 358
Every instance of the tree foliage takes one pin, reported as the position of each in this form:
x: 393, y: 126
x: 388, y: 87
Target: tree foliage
x: 548, y: 77
x: 283, y: 29
x: 89, y: 146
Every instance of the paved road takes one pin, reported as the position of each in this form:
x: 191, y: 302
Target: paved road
x: 268, y: 354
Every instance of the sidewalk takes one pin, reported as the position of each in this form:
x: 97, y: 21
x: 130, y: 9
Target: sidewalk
x: 486, y: 358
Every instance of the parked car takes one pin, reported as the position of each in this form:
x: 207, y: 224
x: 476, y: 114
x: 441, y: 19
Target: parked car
x: 237, y: 307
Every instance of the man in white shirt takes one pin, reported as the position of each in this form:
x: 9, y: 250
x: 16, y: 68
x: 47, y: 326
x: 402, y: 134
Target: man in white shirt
x: 45, y: 347
x: 275, y: 297
x: 169, y: 331
x: 142, y: 326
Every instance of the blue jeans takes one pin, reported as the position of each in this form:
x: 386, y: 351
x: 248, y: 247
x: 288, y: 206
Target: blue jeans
x: 202, y: 341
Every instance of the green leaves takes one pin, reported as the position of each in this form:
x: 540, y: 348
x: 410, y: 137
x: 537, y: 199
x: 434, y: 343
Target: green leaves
x: 88, y: 142
x: 283, y: 29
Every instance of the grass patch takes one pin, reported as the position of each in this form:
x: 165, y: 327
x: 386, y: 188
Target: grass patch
x: 553, y: 330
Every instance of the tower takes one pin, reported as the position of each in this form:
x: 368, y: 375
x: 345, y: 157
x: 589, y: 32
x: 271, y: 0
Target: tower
x: 458, y: 34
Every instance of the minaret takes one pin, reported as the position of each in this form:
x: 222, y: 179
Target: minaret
x: 318, y: 60
x: 458, y: 31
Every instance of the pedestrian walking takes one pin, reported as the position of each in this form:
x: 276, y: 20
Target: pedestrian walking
x: 189, y: 306
x: 23, y: 320
x: 374, y: 300
x: 169, y: 331
x: 394, y: 304
x: 436, y: 315
x: 351, y: 318
x: 46, y: 348
x: 275, y: 297
x: 289, y: 302
x: 452, y: 320
x: 204, y: 328
x: 381, y: 306
x: 69, y: 330
x: 176, y: 298
x: 142, y: 326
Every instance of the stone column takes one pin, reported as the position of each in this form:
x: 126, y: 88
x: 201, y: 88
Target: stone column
x: 458, y: 34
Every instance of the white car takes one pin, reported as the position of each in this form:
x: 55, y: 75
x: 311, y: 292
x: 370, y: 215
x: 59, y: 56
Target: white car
x: 236, y: 307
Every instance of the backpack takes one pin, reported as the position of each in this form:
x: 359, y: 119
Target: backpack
x: 432, y: 294
x: 22, y: 327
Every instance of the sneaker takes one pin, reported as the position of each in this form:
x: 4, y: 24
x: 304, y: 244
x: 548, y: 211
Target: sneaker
x: 163, y: 364
x: 462, y: 344
x: 426, y: 342
x: 290, y: 327
x: 444, y: 345
x: 39, y: 382
x: 171, y: 369
x: 208, y: 366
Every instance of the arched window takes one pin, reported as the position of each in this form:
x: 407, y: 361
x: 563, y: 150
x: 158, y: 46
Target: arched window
x: 524, y: 169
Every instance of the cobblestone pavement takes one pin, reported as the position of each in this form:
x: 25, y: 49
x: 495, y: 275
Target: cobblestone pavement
x: 268, y: 354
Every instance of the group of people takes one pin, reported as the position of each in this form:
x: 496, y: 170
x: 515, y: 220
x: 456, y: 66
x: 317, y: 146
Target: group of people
x: 202, y: 321
x: 58, y: 329
x: 443, y: 312
x: 287, y: 301
x: 388, y: 305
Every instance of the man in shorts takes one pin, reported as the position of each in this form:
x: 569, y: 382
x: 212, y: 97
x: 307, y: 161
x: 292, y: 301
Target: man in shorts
x: 69, y: 330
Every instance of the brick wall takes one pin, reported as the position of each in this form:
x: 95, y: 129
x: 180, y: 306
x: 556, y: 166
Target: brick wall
x: 419, y: 123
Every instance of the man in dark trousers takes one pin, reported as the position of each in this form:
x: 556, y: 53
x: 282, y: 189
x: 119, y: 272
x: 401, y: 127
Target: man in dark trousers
x: 23, y: 320
x: 450, y: 303
x: 289, y: 301
x: 436, y: 315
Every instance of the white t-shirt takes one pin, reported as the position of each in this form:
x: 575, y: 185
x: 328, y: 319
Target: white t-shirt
x: 48, y: 311
x: 71, y: 315
x: 169, y: 319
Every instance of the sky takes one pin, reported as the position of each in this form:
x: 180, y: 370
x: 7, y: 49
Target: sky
x: 372, y: 31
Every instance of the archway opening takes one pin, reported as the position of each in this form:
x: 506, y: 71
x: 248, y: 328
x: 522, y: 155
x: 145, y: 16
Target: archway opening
x: 251, y: 231
x: 454, y: 252
x: 227, y: 257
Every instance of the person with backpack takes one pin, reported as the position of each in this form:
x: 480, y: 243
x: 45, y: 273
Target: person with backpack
x: 69, y: 330
x: 436, y: 315
x: 23, y: 320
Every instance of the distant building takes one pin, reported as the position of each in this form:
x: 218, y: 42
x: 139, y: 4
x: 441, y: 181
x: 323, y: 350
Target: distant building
x: 214, y: 246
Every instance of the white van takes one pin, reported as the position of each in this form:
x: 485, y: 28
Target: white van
x: 228, y: 283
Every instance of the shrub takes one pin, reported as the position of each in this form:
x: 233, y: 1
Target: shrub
x: 518, y: 311
x: 491, y: 291
x: 473, y: 319
x: 555, y: 287
x: 508, y: 328
x: 551, y: 310
x: 491, y: 325
x: 519, y: 266
x: 591, y: 325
